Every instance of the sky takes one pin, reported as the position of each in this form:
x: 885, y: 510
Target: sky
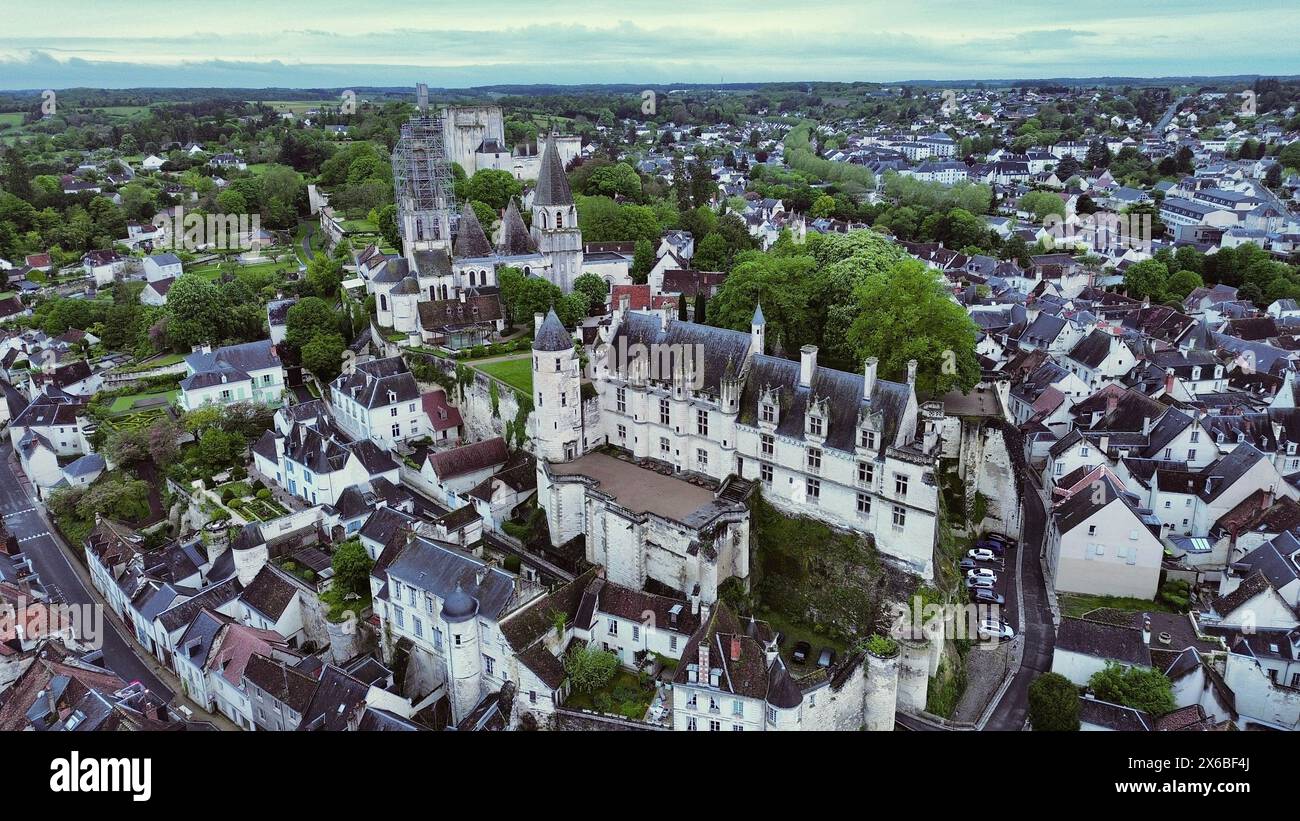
x: 342, y: 43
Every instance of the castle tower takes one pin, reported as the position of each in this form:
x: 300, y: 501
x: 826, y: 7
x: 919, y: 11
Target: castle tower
x: 557, y: 395
x: 555, y: 220
x: 757, y: 332
x: 464, y: 668
x: 422, y: 182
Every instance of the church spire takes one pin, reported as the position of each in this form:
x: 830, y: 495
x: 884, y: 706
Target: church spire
x: 552, y: 182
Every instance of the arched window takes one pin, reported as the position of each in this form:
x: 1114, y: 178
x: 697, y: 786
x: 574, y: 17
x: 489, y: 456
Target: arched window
x: 542, y: 214
x: 559, y: 219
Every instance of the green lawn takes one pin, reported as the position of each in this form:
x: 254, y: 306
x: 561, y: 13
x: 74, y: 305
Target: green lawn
x: 125, y: 404
x: 1076, y: 604
x: 517, y: 373
x: 627, y: 697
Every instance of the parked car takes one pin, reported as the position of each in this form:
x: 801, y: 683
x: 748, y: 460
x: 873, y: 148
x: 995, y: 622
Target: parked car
x: 982, y: 595
x: 967, y: 564
x: 981, y: 573
x: 1002, y: 538
x: 981, y: 554
x: 827, y: 657
x: 801, y: 651
x: 993, y: 629
x: 979, y: 582
x: 996, y: 548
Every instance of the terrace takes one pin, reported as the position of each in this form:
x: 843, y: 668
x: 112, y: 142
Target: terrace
x: 638, y: 489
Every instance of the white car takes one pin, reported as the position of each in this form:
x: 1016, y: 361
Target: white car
x: 981, y: 573
x: 979, y: 583
x: 992, y: 629
x: 980, y: 554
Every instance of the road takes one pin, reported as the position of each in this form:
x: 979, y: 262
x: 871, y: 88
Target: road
x: 1039, y: 633
x: 1159, y: 129
x: 53, y: 564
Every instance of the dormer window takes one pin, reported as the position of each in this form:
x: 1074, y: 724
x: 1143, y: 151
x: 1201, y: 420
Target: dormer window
x: 392, y: 397
x: 767, y: 412
x: 815, y: 426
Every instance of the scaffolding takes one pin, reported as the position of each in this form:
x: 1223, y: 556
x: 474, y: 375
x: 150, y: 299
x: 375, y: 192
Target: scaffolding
x: 422, y: 180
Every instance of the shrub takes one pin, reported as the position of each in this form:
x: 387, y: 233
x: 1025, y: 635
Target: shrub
x: 882, y: 646
x: 590, y: 668
x: 264, y: 494
x: 1053, y: 703
x: 603, y: 702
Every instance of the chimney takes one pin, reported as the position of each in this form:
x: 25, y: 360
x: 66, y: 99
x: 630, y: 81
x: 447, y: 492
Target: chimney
x: 735, y: 648
x: 911, y: 372
x: 704, y: 661
x: 1112, y: 402
x: 1169, y: 380
x: 1146, y: 425
x: 869, y: 377
x: 624, y: 305
x: 537, y: 322
x: 807, y: 364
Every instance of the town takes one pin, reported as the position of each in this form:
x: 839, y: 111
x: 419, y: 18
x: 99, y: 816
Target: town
x: 783, y: 406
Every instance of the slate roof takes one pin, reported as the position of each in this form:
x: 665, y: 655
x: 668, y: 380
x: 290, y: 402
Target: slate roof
x: 1114, y: 716
x: 339, y: 698
x: 441, y: 569
x: 285, y: 683
x: 552, y: 182
x: 552, y: 336
x: 515, y: 239
x: 471, y: 241
x: 370, y: 383
x: 1105, y: 641
x: 448, y: 464
x: 269, y: 593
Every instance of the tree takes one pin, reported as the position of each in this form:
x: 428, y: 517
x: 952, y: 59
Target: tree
x: 196, y: 312
x: 904, y: 314
x: 619, y: 179
x: 1040, y: 204
x: 1147, y: 279
x: 701, y: 303
x: 493, y: 187
x: 352, y: 567
x: 1053, y: 704
x: 324, y: 273
x: 1183, y: 283
x: 594, y: 289
x: 711, y: 253
x: 323, y: 355
x: 1141, y: 688
x: 643, y: 259
x: 218, y: 449
x: 306, y: 318
x: 590, y: 668
x: 823, y: 206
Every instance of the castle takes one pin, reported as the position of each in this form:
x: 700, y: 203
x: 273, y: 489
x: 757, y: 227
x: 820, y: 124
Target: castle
x: 707, y: 407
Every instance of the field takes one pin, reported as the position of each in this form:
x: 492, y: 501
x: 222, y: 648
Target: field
x: 517, y: 373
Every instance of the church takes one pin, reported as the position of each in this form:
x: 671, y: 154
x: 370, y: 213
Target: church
x: 697, y: 419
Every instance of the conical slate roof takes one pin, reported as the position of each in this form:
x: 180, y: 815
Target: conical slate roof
x: 459, y: 606
x: 471, y: 241
x: 515, y: 239
x: 552, y: 182
x: 552, y: 336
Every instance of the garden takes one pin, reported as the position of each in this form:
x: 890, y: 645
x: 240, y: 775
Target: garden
x: 253, y: 502
x: 517, y: 373
x: 601, y: 685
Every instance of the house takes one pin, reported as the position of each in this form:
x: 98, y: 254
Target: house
x: 1084, y: 647
x: 317, y: 462
x: 250, y: 372
x: 152, y: 163
x: 379, y: 400
x: 446, y: 427
x: 162, y: 266
x: 277, y: 317
x: 1103, y: 542
x: 155, y: 291
x: 103, y: 266
x: 446, y: 474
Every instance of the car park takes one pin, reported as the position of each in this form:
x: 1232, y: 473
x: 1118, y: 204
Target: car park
x: 979, y: 582
x: 996, y: 548
x: 967, y: 564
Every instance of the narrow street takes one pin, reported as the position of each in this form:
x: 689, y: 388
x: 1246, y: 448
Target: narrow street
x: 53, y: 564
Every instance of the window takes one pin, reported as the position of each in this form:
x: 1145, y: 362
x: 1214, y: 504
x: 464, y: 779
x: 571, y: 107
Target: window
x: 672, y: 642
x: 664, y: 446
x: 613, y: 627
x: 715, y: 726
x: 1196, y: 436
x: 620, y: 400
x: 868, y: 440
x: 622, y: 432
x: 663, y: 412
x: 417, y: 626
x: 864, y: 504
x: 814, y: 426
x: 767, y: 444
x: 691, y: 701
x: 399, y: 617
x: 814, y: 488
x: 702, y: 457
x: 765, y: 473
x: 900, y: 517
x: 713, y: 705
x: 771, y: 715
x: 1191, y: 454
x: 1092, y: 530
x: 636, y: 632
x: 702, y: 422
x: 900, y: 485
x: 737, y: 728
x: 489, y: 664
x: 437, y: 639
x: 397, y: 429
x: 737, y: 707
x: 814, y: 459
x: 428, y: 603
x: 866, y: 473
x: 767, y: 413
x: 392, y: 411
x: 690, y: 723
x: 1083, y: 452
